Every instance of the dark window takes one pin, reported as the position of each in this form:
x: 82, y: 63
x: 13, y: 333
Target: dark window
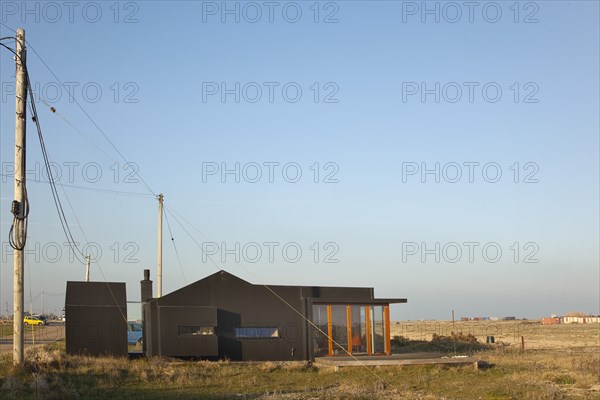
x: 195, y: 330
x: 257, y: 332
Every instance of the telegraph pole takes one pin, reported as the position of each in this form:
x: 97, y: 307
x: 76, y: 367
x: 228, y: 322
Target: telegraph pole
x: 19, y: 203
x: 160, y: 218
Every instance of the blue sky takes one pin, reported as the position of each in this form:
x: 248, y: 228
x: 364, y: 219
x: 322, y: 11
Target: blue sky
x: 377, y: 221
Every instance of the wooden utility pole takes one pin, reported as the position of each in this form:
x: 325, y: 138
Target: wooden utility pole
x: 160, y: 218
x: 87, y: 268
x: 19, y: 203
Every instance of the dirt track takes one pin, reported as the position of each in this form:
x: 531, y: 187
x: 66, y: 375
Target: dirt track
x: 51, y: 333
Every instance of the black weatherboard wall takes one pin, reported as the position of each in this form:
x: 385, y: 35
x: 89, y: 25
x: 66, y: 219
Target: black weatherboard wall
x: 95, y: 314
x: 223, y: 316
x: 224, y: 302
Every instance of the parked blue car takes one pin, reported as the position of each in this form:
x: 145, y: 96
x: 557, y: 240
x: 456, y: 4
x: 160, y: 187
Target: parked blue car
x: 134, y: 332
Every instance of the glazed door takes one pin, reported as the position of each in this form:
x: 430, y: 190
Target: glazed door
x: 358, y: 329
x: 320, y: 335
x: 359, y: 337
x: 339, y: 329
x: 377, y: 323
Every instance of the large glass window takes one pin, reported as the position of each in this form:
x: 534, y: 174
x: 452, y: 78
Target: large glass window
x: 195, y: 330
x: 355, y: 328
x: 377, y: 329
x: 339, y: 329
x: 256, y: 332
x: 358, y: 317
x: 320, y: 339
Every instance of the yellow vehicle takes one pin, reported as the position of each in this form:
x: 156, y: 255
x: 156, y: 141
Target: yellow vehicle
x: 31, y: 320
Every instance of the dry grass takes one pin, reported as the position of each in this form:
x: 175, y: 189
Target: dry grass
x: 509, y: 333
x: 571, y: 371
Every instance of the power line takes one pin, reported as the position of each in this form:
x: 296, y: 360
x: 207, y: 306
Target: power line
x: 54, y: 111
x: 61, y: 213
x: 189, y: 223
x: 57, y: 199
x: 101, y: 190
x: 175, y: 247
x: 89, y: 117
x: 9, y: 49
x: 20, y: 244
x: 191, y: 237
x: 17, y: 236
x: 109, y: 191
x: 58, y: 204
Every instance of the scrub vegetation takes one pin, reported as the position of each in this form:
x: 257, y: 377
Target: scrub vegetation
x: 570, y: 369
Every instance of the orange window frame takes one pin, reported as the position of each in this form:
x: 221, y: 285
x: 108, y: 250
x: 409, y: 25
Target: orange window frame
x: 349, y: 328
x: 386, y: 324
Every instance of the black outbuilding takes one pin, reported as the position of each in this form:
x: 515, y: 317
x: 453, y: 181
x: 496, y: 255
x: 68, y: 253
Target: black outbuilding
x: 223, y: 316
x: 96, y: 318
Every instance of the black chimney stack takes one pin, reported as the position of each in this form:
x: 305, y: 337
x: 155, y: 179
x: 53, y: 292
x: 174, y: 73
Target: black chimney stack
x: 146, y: 286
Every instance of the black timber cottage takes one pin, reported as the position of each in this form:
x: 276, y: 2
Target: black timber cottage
x: 223, y: 316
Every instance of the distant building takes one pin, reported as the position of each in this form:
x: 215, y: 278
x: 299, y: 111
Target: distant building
x: 588, y: 319
x: 571, y: 318
x: 550, y: 321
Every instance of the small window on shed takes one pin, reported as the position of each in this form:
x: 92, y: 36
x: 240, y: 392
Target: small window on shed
x: 256, y: 332
x: 195, y: 330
